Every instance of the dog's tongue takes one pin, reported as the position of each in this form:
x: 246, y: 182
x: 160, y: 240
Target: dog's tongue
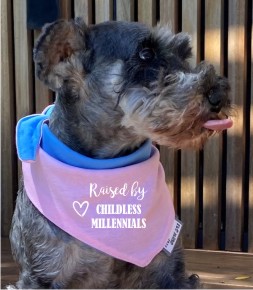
x: 218, y: 125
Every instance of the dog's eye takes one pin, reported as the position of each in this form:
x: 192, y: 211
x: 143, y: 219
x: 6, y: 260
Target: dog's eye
x: 147, y: 54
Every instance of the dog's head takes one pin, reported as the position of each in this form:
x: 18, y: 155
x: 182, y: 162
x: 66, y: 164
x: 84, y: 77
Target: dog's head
x: 132, y: 79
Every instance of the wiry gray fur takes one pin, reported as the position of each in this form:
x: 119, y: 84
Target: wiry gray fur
x: 117, y: 84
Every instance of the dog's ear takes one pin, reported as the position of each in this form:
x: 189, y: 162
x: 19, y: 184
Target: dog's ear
x: 181, y: 44
x: 58, y: 49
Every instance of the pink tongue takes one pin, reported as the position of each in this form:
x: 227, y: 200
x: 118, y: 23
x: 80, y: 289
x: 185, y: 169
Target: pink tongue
x: 218, y: 125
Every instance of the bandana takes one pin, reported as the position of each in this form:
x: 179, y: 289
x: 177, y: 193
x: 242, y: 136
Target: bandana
x: 125, y: 212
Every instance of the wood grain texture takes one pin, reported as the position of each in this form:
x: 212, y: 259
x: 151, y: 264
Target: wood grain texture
x: 125, y: 10
x: 251, y: 154
x: 191, y: 24
x: 169, y: 13
x: 189, y: 209
x: 104, y: 10
x: 211, y: 152
x: 235, y: 149
x: 23, y: 61
x: 83, y: 8
x: 147, y: 12
x: 65, y: 9
x: 9, y: 269
x: 24, y: 95
x: 169, y: 157
x: 218, y: 269
x: 43, y: 95
x: 8, y: 158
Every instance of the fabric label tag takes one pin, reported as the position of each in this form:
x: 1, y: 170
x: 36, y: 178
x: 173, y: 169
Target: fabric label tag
x: 173, y: 236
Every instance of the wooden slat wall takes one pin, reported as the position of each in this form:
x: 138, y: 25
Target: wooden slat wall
x: 213, y: 188
x: 125, y: 10
x: 235, y: 149
x: 147, y: 11
x: 104, y: 10
x: 43, y: 96
x: 23, y: 64
x: 83, y: 8
x: 189, y: 195
x: 211, y: 182
x: 169, y: 10
x: 23, y: 61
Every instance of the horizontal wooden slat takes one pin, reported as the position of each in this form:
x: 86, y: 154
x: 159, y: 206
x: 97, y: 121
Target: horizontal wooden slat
x: 218, y: 269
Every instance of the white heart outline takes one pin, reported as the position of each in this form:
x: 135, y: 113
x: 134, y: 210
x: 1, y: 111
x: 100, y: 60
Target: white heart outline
x: 80, y: 207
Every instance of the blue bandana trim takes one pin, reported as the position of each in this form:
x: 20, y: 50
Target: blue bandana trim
x: 32, y: 131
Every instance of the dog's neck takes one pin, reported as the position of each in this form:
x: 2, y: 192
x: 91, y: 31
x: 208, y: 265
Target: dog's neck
x: 91, y: 134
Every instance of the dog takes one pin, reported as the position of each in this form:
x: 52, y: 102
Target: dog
x: 119, y: 86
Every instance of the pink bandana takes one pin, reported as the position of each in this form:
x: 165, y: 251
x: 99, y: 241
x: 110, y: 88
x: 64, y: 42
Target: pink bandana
x: 125, y: 212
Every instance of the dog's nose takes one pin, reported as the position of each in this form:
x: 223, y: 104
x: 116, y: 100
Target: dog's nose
x: 214, y: 99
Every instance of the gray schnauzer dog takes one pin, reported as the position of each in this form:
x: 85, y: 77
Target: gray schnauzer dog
x: 117, y: 85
